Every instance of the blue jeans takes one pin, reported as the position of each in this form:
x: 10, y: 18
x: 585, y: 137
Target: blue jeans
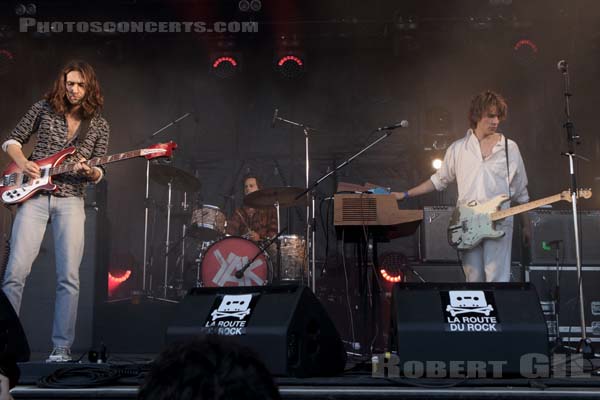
x: 67, y: 219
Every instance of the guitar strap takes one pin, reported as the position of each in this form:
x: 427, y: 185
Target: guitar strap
x: 507, y: 168
x: 83, y: 127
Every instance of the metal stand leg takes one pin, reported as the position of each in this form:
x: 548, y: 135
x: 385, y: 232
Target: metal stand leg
x: 167, y: 242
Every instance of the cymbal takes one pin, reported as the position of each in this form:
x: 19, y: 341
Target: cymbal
x: 179, y: 179
x: 286, y: 196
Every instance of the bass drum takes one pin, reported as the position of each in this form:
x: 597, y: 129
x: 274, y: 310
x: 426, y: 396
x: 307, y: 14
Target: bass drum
x: 223, y: 259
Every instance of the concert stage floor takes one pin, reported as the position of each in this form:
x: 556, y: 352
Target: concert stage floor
x: 352, y: 385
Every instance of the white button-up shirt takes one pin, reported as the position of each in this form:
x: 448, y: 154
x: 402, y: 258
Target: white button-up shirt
x: 481, y: 179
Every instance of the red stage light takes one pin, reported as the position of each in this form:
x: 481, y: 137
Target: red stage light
x: 524, y: 44
x: 399, y: 277
x: 294, y: 59
x: 229, y: 60
x: 115, y: 281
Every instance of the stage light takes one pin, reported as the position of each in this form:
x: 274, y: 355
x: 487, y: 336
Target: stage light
x: 392, y: 267
x: 436, y: 163
x: 290, y: 66
x: 225, y: 65
x: 526, y: 51
x: 117, y: 279
x: 392, y: 278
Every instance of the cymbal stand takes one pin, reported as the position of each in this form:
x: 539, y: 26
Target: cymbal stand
x: 167, y: 240
x: 310, y: 217
x: 184, y: 206
x: 147, y: 198
x: 278, y: 241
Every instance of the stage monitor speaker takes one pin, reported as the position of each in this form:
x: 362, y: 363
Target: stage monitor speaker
x: 12, y: 337
x: 285, y: 325
x: 491, y: 326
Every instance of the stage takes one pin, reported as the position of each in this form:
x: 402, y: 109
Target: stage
x: 351, y: 385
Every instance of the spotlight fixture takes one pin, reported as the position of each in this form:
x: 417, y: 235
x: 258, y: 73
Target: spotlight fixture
x: 225, y: 59
x: 392, y: 267
x: 290, y: 61
x: 290, y: 66
x: 436, y: 163
x: 526, y: 51
x: 225, y: 65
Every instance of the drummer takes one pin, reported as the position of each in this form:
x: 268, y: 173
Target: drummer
x: 255, y: 224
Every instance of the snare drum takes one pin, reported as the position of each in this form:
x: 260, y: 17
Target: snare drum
x: 293, y: 253
x: 224, y: 258
x: 208, y: 223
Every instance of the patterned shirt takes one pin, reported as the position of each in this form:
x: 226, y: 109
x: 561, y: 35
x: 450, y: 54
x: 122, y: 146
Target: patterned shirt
x: 260, y: 220
x: 51, y: 129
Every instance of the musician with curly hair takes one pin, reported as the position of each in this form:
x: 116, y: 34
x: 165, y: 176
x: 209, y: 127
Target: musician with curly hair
x: 69, y: 115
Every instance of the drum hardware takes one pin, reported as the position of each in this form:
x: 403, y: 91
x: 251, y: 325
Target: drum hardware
x: 179, y: 179
x: 285, y: 196
x: 261, y: 249
x: 310, y: 223
x: 175, y: 179
x: 147, y: 201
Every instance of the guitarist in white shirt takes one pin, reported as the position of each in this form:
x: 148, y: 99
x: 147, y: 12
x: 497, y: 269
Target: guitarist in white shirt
x: 478, y: 163
x: 69, y: 115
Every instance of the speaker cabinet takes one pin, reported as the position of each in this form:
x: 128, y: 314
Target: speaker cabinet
x: 557, y: 225
x: 286, y: 325
x: 434, y: 235
x: 482, y: 325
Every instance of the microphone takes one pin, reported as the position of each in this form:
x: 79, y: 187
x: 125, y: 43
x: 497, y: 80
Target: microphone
x: 562, y: 66
x: 275, y: 115
x: 401, y: 124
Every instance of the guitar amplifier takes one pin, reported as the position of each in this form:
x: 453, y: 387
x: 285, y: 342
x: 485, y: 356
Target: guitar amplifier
x: 557, y: 225
x: 434, y: 236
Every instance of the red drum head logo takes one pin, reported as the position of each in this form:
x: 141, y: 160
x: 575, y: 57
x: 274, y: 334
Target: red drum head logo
x: 228, y: 256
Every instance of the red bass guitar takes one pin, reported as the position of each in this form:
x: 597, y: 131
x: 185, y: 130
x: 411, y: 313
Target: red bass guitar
x: 16, y: 187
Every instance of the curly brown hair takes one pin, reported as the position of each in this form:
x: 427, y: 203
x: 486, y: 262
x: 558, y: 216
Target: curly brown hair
x: 93, y: 100
x: 482, y: 102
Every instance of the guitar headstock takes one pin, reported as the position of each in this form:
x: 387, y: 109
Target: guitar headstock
x: 581, y: 194
x: 159, y: 150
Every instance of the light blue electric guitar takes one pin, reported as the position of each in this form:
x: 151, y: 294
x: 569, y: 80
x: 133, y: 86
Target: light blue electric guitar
x: 472, y: 223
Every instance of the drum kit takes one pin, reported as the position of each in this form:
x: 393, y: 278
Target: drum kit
x: 218, y: 259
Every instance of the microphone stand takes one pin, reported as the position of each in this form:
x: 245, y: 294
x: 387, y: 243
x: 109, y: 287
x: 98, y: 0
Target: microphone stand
x: 310, y: 217
x: 585, y: 344
x: 342, y: 165
x: 147, y: 199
